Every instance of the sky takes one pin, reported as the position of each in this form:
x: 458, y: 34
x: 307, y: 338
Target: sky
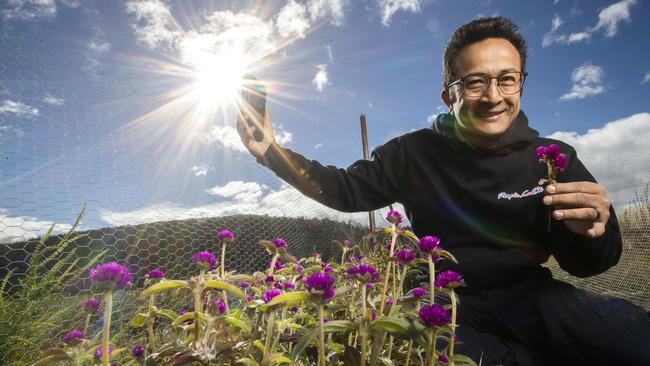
x: 129, y: 106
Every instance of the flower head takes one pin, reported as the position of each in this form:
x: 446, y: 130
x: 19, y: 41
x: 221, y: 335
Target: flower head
x: 418, y: 292
x: 363, y: 272
x: 225, y: 236
x: 111, y: 275
x: 320, y: 283
x: 394, y: 217
x: 138, y: 351
x: 268, y: 295
x: 428, y: 244
x: 443, y: 358
x: 249, y: 298
x: 205, y: 260
x: 551, y: 155
x: 269, y: 279
x: 405, y: 256
x: 450, y: 279
x: 73, y: 337
x: 244, y: 284
x: 98, y: 352
x: 278, y: 285
x: 279, y: 243
x: 289, y: 285
x: 389, y: 302
x: 156, y: 273
x: 346, y: 243
x: 91, y: 305
x: 221, y: 306
x: 434, y: 315
x: 277, y: 266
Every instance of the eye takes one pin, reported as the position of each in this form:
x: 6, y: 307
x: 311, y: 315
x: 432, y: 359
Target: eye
x: 474, y: 83
x: 508, y: 80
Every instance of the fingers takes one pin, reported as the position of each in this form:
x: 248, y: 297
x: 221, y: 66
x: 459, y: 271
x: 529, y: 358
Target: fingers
x: 577, y: 187
x: 588, y: 214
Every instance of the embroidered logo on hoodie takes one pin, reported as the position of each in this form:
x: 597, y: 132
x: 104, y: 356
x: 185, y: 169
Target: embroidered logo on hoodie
x: 526, y: 193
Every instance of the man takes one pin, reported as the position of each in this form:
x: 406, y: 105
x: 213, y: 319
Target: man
x: 472, y: 179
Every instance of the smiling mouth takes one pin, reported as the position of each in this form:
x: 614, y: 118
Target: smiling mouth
x: 490, y: 116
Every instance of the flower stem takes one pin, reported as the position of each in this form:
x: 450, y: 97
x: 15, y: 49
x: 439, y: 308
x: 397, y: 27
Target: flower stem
x: 393, y: 239
x: 408, y: 352
x: 453, y: 328
x: 150, y: 320
x: 362, y: 331
x: 321, y: 336
x: 198, y: 305
x: 223, y: 261
x: 272, y: 267
x: 87, y: 323
x: 270, y: 325
x: 432, y: 276
x: 106, y: 331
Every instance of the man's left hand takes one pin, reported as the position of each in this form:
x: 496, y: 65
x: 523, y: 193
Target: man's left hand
x: 583, y: 206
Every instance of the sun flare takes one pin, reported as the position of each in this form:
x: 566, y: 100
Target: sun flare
x: 218, y: 79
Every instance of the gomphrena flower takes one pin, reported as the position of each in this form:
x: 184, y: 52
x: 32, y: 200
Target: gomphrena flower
x: 320, y: 283
x: 73, y: 337
x: 428, y: 244
x: 418, y: 292
x: 363, y: 272
x: 269, y: 295
x: 405, y: 256
x: 394, y: 217
x: 205, y: 260
x: 279, y: 243
x: 278, y: 285
x: 221, y: 306
x: 156, y: 273
x: 138, y: 351
x: 289, y: 285
x: 448, y: 279
x: 98, y: 352
x: 434, y: 315
x: 111, y: 275
x: 244, y: 284
x: 443, y: 358
x: 225, y: 236
x: 389, y: 302
x: 249, y: 298
x: 346, y: 243
x: 91, y: 305
x: 269, y: 279
x: 278, y: 265
x: 551, y: 155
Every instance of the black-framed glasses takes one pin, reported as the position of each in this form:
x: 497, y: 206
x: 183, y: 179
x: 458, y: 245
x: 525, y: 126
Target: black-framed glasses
x: 477, y: 84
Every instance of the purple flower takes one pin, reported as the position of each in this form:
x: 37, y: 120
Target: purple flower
x: 363, y: 272
x: 269, y: 279
x: 279, y: 243
x: 289, y: 285
x: 394, y: 217
x: 271, y: 294
x: 315, y: 255
x: 560, y: 162
x: 249, y: 298
x: 221, y: 306
x: 326, y: 267
x: 91, y: 305
x: 244, y: 284
x: 205, y: 260
x: 373, y: 316
x: 278, y: 265
x: 299, y: 268
x: 541, y: 152
x: 346, y: 243
x: 293, y: 309
x: 325, y: 320
x: 225, y: 236
x: 156, y: 273
x: 551, y: 155
x: 73, y: 336
x: 98, y: 352
x: 278, y: 285
x: 449, y: 279
x: 429, y: 244
x: 320, y: 283
x: 418, y: 292
x: 111, y: 275
x: 443, y: 358
x: 389, y: 302
x: 138, y: 351
x: 434, y: 315
x: 405, y: 256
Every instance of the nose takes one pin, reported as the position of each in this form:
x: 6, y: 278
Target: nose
x: 492, y: 94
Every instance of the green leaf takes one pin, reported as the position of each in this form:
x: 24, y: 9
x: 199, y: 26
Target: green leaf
x: 329, y: 327
x: 53, y: 360
x: 139, y: 320
x: 248, y: 362
x: 225, y: 286
x: 187, y: 316
x: 259, y: 345
x: 163, y: 286
x: 169, y: 314
x: 398, y: 326
x: 238, y: 323
x: 462, y: 360
x: 280, y: 359
x: 386, y: 361
x: 289, y: 298
x: 343, y: 290
x: 269, y: 246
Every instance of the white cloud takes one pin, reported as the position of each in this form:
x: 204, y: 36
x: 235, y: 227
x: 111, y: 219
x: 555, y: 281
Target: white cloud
x: 29, y: 9
x: 587, y: 82
x: 155, y: 26
x: 330, y: 56
x: 200, y: 170
x: 611, y: 16
x: 292, y: 20
x: 321, y: 78
x: 19, y: 228
x: 282, y: 137
x: 10, y: 131
x: 228, y: 137
x: 243, y: 198
x: 389, y: 7
x: 646, y: 78
x: 617, y: 154
x: 18, y: 108
x: 318, y: 146
x: 334, y: 9
x: 52, y: 100
x: 608, y: 20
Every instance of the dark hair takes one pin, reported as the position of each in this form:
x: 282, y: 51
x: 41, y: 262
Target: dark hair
x: 476, y: 31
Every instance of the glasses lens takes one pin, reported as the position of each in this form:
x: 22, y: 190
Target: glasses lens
x: 510, y: 83
x: 475, y: 86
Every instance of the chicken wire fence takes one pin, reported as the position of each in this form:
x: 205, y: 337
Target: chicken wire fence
x: 61, y: 151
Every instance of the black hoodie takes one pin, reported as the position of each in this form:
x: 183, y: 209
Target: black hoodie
x: 485, y: 205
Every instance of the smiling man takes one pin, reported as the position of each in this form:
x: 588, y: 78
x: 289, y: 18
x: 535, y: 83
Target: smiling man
x: 473, y: 180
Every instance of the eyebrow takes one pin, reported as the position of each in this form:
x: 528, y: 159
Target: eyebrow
x: 503, y: 71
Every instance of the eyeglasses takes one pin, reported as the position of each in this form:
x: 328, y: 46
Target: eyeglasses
x: 476, y: 85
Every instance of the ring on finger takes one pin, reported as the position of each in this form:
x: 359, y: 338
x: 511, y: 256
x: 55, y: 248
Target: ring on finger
x: 597, y: 215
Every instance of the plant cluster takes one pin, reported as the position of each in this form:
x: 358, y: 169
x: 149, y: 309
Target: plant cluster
x: 299, y: 311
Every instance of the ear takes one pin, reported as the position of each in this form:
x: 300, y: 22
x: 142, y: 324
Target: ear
x: 446, y: 98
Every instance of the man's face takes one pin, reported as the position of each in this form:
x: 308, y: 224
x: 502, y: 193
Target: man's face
x: 486, y: 117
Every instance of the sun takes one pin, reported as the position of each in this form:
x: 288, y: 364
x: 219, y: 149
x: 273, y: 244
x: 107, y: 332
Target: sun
x: 218, y: 78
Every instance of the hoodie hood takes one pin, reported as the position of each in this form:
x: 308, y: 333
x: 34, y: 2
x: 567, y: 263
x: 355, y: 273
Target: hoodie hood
x: 517, y: 136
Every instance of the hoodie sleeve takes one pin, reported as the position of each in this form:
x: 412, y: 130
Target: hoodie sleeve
x: 577, y: 254
x: 365, y: 185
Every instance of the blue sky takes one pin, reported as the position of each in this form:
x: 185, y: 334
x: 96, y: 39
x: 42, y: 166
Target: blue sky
x: 99, y: 100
